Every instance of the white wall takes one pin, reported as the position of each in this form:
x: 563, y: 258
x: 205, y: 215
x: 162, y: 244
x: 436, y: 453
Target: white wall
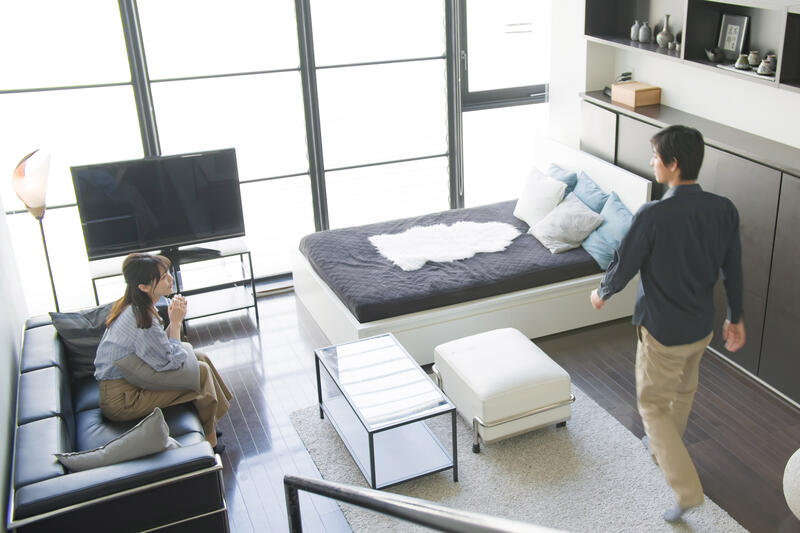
x: 12, y: 316
x: 579, y: 66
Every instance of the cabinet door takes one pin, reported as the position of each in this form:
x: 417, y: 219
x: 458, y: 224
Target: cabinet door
x: 754, y: 190
x: 598, y: 131
x: 780, y: 360
x: 634, y: 150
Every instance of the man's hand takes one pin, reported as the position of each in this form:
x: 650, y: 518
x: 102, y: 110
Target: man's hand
x: 597, y: 302
x: 733, y: 335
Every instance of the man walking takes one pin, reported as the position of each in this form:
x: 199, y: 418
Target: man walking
x: 678, y: 244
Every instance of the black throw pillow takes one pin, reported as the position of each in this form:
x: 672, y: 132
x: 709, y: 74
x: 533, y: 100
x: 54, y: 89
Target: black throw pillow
x: 81, y: 332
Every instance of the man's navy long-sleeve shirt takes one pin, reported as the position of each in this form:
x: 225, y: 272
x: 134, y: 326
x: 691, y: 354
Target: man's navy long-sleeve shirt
x: 679, y: 244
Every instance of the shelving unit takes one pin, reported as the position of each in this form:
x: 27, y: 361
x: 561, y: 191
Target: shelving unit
x: 774, y: 27
x: 211, y: 284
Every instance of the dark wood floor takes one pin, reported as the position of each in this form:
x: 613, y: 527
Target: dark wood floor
x: 739, y: 434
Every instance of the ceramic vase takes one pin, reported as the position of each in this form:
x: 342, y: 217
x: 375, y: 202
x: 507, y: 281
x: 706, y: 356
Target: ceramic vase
x: 764, y: 67
x: 664, y: 37
x: 772, y: 60
x: 742, y: 63
x: 635, y: 31
x: 753, y: 59
x: 645, y: 33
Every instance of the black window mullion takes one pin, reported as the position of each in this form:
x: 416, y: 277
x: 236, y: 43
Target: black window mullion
x: 139, y: 77
x: 308, y: 73
x: 454, y: 82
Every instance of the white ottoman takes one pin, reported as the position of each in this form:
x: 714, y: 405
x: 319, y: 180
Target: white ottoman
x: 503, y: 384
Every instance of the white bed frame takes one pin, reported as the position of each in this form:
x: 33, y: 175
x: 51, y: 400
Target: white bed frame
x: 535, y: 312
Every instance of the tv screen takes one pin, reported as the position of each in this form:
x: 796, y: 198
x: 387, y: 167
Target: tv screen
x: 161, y: 202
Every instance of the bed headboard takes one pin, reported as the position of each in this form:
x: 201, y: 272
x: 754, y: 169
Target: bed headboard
x: 632, y: 189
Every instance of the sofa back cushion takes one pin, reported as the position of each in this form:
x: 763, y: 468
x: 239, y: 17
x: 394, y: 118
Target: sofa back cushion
x: 33, y: 454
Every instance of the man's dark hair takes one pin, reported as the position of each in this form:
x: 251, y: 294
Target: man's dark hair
x: 682, y: 144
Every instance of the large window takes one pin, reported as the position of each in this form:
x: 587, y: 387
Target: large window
x: 342, y: 112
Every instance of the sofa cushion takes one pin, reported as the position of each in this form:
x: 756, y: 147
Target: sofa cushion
x: 93, y: 429
x: 42, y: 394
x: 85, y: 394
x: 81, y: 332
x: 40, y: 349
x: 150, y: 435
x: 33, y: 453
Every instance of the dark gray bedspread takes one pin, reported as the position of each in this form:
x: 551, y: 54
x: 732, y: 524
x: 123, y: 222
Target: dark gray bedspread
x: 373, y: 288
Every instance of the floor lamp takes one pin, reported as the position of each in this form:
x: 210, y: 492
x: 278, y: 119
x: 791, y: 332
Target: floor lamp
x: 30, y: 183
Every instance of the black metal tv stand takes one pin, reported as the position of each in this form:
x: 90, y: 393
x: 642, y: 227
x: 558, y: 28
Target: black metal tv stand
x: 211, y: 282
x: 190, y: 254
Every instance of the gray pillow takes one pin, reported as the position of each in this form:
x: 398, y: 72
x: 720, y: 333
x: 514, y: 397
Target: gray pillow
x: 566, y: 226
x: 150, y: 435
x: 140, y: 374
x: 81, y: 332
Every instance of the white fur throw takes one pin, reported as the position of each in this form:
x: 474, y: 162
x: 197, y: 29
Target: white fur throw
x: 415, y: 246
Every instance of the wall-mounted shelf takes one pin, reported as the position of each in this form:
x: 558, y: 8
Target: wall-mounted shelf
x: 774, y: 27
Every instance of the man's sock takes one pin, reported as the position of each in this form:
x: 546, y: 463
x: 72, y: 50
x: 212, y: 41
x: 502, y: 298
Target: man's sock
x: 646, y: 443
x: 676, y: 513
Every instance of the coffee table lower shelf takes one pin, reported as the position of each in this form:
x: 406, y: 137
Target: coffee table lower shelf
x: 399, y: 453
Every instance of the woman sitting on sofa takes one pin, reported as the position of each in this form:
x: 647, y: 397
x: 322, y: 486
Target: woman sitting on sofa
x: 134, y: 326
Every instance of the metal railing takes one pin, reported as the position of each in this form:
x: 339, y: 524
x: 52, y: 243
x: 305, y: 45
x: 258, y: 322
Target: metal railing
x: 421, y: 512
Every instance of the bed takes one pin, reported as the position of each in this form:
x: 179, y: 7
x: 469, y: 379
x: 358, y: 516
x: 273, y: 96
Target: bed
x: 352, y: 292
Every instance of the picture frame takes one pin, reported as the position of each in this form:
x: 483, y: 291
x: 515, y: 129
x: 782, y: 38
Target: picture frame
x: 732, y: 35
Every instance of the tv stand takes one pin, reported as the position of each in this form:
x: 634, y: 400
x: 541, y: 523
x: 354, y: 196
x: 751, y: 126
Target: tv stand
x: 190, y: 254
x: 213, y: 280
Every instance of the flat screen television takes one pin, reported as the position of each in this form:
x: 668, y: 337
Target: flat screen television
x: 160, y: 202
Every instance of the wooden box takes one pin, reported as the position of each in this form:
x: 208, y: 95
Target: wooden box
x: 635, y: 93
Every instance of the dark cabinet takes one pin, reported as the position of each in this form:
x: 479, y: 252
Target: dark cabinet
x: 780, y: 360
x: 634, y: 150
x: 754, y: 189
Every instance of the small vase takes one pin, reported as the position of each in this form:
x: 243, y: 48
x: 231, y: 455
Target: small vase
x: 635, y: 31
x: 664, y: 37
x: 753, y: 59
x: 772, y: 60
x: 644, y: 33
x: 742, y: 63
x: 764, y: 68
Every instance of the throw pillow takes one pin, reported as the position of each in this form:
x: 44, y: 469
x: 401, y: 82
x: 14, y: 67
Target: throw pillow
x: 81, y: 332
x: 539, y: 196
x: 565, y: 227
x: 606, y: 238
x: 589, y: 193
x: 149, y: 436
x: 567, y: 176
x: 140, y: 374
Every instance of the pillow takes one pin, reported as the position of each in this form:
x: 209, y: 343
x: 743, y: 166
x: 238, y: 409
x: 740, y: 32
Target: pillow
x: 589, y: 193
x: 565, y: 227
x: 81, y: 333
x: 539, y: 196
x: 568, y: 177
x: 149, y: 436
x: 606, y: 238
x: 140, y: 374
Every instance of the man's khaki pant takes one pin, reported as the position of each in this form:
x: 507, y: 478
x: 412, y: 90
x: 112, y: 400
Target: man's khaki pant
x: 119, y: 400
x: 666, y: 380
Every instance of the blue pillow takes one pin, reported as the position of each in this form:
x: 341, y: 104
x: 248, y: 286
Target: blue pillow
x: 590, y: 193
x: 602, y: 242
x: 558, y: 173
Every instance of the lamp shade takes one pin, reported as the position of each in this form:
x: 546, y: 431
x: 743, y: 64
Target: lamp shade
x: 30, y: 181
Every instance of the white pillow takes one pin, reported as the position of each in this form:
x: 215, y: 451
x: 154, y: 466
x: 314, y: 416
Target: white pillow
x: 539, y: 196
x: 149, y: 436
x: 566, y: 226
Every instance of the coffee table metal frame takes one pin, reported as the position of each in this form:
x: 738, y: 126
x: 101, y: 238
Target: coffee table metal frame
x: 371, y: 475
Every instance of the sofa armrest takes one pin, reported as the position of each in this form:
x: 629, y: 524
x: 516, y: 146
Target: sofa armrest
x: 78, y: 487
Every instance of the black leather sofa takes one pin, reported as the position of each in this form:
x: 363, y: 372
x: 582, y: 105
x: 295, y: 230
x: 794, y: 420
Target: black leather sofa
x: 175, y: 490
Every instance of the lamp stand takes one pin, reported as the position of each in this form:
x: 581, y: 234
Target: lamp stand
x: 47, y: 257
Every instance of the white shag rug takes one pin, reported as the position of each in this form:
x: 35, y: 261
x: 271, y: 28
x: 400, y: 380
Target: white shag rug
x: 415, y: 246
x: 591, y: 476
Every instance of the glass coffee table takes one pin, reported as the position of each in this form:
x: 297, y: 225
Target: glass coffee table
x: 377, y: 398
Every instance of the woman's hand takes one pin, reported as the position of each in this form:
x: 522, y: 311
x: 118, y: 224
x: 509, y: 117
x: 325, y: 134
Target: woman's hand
x: 176, y: 312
